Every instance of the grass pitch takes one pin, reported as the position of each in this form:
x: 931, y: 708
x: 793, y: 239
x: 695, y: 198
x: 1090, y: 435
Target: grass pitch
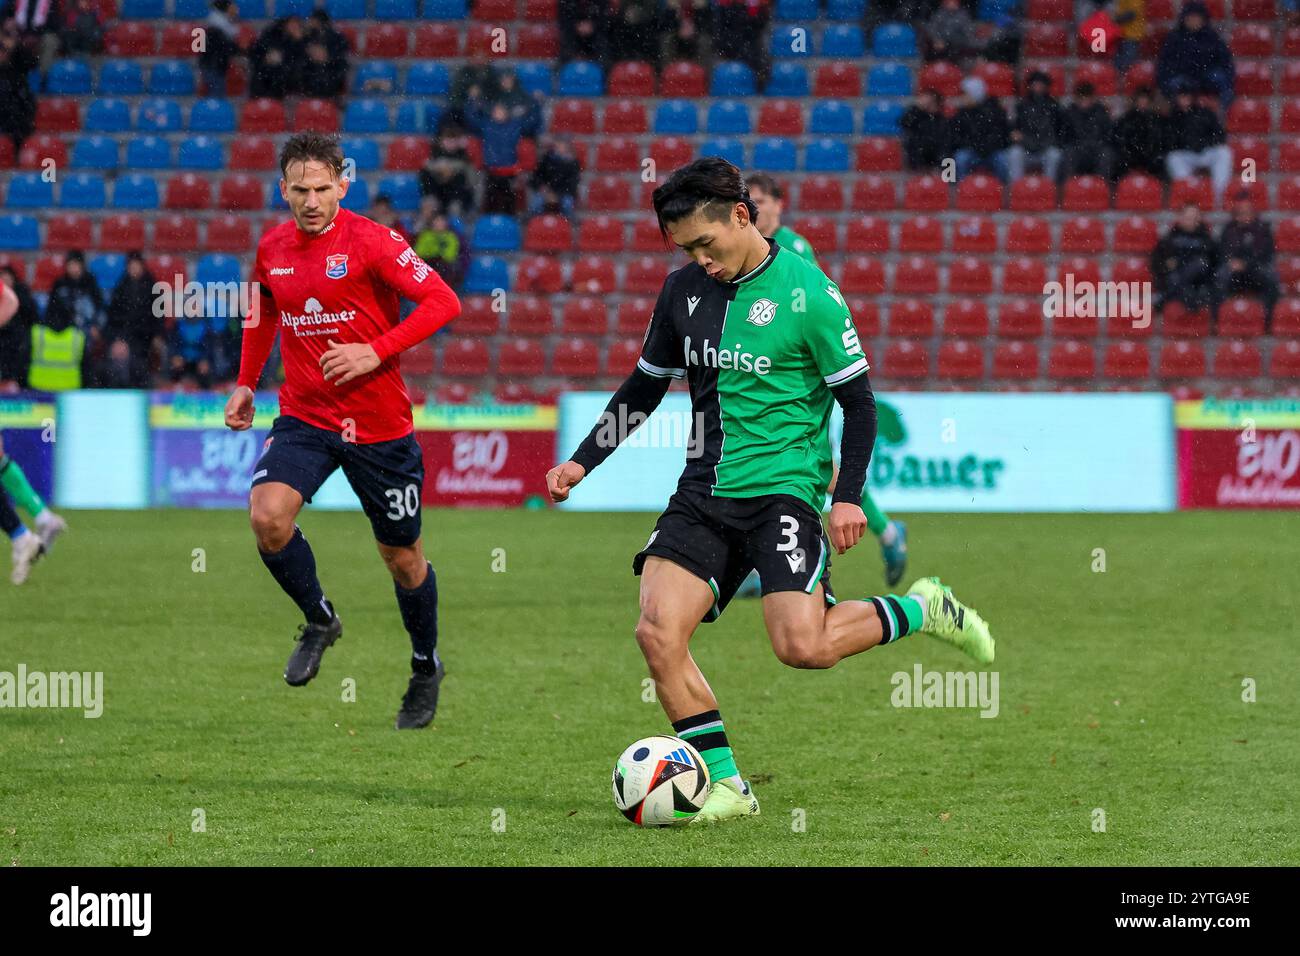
x: 1120, y: 691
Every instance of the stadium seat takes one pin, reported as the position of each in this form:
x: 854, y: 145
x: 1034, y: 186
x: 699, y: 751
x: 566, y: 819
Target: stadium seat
x: 539, y: 41
x: 241, y: 192
x: 1126, y: 360
x: 621, y: 117
x: 728, y: 147
x: 68, y: 78
x: 212, y: 116
x: 1071, y: 361
x: 1253, y: 9
x: 486, y: 274
x: 1131, y: 269
x: 540, y: 274
x: 878, y: 154
x: 386, y: 41
x: 136, y: 191
x: 159, y: 116
x: 873, y: 194
x: 478, y: 316
x: 1253, y: 79
x: 1100, y: 74
x: 43, y: 151
x: 1285, y: 361
x: 915, y: 275
x: 635, y: 78
x: 119, y: 233
x: 821, y: 232
x: 921, y: 234
x: 970, y: 276
x: 731, y: 79
x: 433, y: 41
x: 1048, y: 40
x: 229, y: 233
x: 788, y: 79
x: 529, y: 315
x: 826, y: 155
x: 254, y: 152
x: 889, y: 79
x: 177, y: 233
x: 576, y: 358
x: 595, y: 234
x: 776, y: 154
x: 121, y: 78
x: 1197, y: 191
x: 999, y: 79
x: 1138, y: 192
x: 574, y: 116
x: 444, y: 9
x: 645, y: 275
x: 881, y: 119
x: 496, y: 233
x: 1291, y: 78
x: 1237, y: 360
x: 960, y: 361
x: 580, y: 78
x: 967, y: 318
x: 320, y: 116
x: 201, y: 152
x: 674, y: 117
x: 862, y: 274
x: 831, y: 118
x: 584, y: 315
x: 263, y: 116
x: 108, y: 116
x: 975, y: 234
x: 821, y: 194
x: 465, y: 357
x: 894, y: 40
x: 82, y: 191
x: 48, y: 270
x: 1249, y: 116
x: 671, y: 152
x: 1288, y: 193
x: 866, y: 315
x: 925, y: 192
x: 1085, y: 194
x: 18, y: 232
x: 520, y: 358
x: 29, y: 191
x: 1023, y: 276
x: 942, y: 77
x: 905, y: 361
x: 911, y: 318
x: 58, y: 115
x: 780, y: 118
x: 1177, y: 321
x: 126, y: 38
x: 1286, y: 318
x: 1033, y: 194
x: 1287, y: 233
x: 172, y: 78
x: 851, y: 10
x: 978, y: 193
x: 608, y: 194
x: 837, y: 80
x: 548, y: 233
x: 69, y: 231
x: 796, y: 10
x: 790, y: 41
x: 1241, y: 317
x: 1029, y: 234
x: 634, y: 316
x: 1083, y: 234
x: 365, y: 116
x: 618, y: 155
x: 407, y: 153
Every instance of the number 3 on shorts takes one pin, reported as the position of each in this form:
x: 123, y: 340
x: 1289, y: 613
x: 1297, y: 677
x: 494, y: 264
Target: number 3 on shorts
x: 789, y: 532
x: 403, y: 502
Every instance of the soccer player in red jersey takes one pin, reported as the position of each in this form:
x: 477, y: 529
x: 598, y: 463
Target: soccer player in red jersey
x: 330, y: 282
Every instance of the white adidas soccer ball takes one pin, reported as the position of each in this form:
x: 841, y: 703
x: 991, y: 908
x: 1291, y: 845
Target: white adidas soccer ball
x: 660, y: 781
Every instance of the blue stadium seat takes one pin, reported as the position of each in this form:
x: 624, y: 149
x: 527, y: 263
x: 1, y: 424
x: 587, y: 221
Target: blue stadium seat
x: 199, y: 10
x: 366, y: 116
x: 201, y: 152
x: 445, y: 10
x: 121, y: 78
x: 827, y: 156
x: 385, y: 71
x: 486, y: 273
x: 881, y: 119
x: 675, y: 117
x: 144, y: 9
x: 894, y: 39
x: 34, y: 81
x: 395, y: 9
x: 29, y: 191
x: 802, y: 10
x: 850, y: 10
x: 172, y: 78
x: 791, y: 41
x: 83, y: 191
x: 732, y: 79
x: 159, y: 116
x: 427, y: 79
x: 788, y: 79
x: 94, y: 152
x: 889, y: 79
x: 107, y: 116
x: 535, y: 77
x: 843, y: 40
x: 19, y: 232
x: 136, y: 191
x: 68, y: 78
x: 990, y: 10
x: 217, y: 268
x: 776, y: 154
x: 292, y: 8
x: 831, y: 118
x: 357, y: 199
x: 729, y: 118
x: 212, y: 116
x: 346, y: 9
x: 419, y: 116
x: 496, y: 234
x: 580, y: 78
x: 148, y: 152
x: 732, y: 150
x: 107, y: 268
x: 363, y: 152
x: 403, y: 189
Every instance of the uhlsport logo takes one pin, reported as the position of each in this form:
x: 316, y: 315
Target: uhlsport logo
x: 762, y: 312
x: 336, y: 267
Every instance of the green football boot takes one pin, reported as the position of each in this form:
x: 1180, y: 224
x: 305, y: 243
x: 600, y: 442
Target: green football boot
x: 951, y: 621
x: 727, y: 803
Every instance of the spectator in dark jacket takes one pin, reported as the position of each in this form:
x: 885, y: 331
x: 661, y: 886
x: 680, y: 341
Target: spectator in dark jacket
x: 501, y: 129
x: 1196, y: 141
x: 39, y: 26
x: 634, y: 31
x: 927, y: 138
x: 1140, y: 135
x: 683, y: 25
x: 446, y: 173
x: 981, y: 132
x: 83, y: 33
x: 16, y: 334
x: 1183, y: 263
x: 1038, y: 131
x: 1088, y: 136
x: 321, y: 76
x: 17, y: 102
x: 1195, y: 53
x: 555, y: 180
x: 221, y: 45
x: 584, y: 30
x: 1246, y: 247
x: 950, y: 33
x: 133, y: 331
x: 276, y: 58
x: 740, y: 33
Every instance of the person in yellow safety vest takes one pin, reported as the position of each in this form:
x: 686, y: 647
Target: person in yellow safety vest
x: 56, y: 357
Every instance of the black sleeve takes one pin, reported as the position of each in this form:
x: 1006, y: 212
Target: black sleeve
x: 631, y: 405
x: 857, y: 438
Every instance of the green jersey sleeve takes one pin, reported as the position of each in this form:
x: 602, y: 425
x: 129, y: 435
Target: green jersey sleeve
x: 831, y: 337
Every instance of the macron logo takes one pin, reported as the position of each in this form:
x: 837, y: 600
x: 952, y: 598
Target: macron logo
x: 133, y: 910
x: 691, y: 302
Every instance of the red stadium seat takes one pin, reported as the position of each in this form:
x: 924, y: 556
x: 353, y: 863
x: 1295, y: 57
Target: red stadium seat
x: 999, y: 79
x: 1083, y: 234
x: 529, y: 315
x: 187, y: 191
x: 482, y: 40
x: 520, y: 358
x: 1140, y: 74
x: 1290, y: 116
x: 6, y: 152
x: 905, y: 361
x: 495, y: 10
x: 1253, y: 79
x: 618, y: 155
x: 1235, y: 360
x: 385, y: 41
x: 585, y: 315
x: 1285, y: 362
x: 821, y: 194
x: 1033, y: 194
x: 966, y: 317
x: 176, y: 232
x: 477, y: 316
x: 622, y: 357
x: 1050, y: 10
x: 230, y: 233
x: 1241, y: 317
x: 862, y: 274
x: 56, y: 114
x: 576, y: 358
x: 1126, y: 360
x: 921, y: 234
x: 634, y: 315
x: 1015, y: 361
x: 1288, y: 235
x: 418, y: 361
x: 1286, y: 318
x: 515, y: 393
x: 1020, y: 319
x: 69, y: 231
x: 548, y: 233
x: 1085, y: 194
x: 647, y: 238
x: 975, y: 234
x: 1197, y: 191
x: 177, y: 39
x: 539, y: 274
x: 574, y: 116
x: 874, y: 194
x: 262, y: 116
x: 624, y: 117
x: 1291, y: 79
x: 780, y: 118
x: 1078, y: 270
x: 1135, y: 234
x: 1251, y: 39
x: 539, y: 41
x: 681, y: 79
x: 594, y: 275
x: 633, y: 78
x: 544, y: 10
x: 960, y: 361
x: 970, y: 276
x: 942, y: 77
x: 122, y: 233
x: 877, y: 154
x: 1249, y: 116
x: 1131, y: 269
x: 165, y: 267
x: 134, y: 38
x: 602, y: 234
x: 927, y: 192
x: 436, y: 41
x: 979, y: 193
x: 1177, y: 321
x: 1288, y: 273
x: 822, y: 233
x: 1100, y: 74
x: 464, y: 357
x: 40, y: 148
x: 866, y: 315
x: 241, y: 191
x: 1029, y: 234
x: 916, y: 275
x: 671, y: 153
x: 252, y: 152
x: 608, y: 194
x: 646, y: 274
x: 1048, y: 41
x: 912, y: 318
x: 1071, y: 361
x: 48, y: 270
x: 837, y: 80
x: 1254, y: 9
x: 1288, y: 193
x: 407, y: 153
x: 1024, y: 276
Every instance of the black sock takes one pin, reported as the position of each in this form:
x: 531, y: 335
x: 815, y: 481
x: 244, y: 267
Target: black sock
x: 420, y: 615
x: 294, y: 569
x: 9, y: 520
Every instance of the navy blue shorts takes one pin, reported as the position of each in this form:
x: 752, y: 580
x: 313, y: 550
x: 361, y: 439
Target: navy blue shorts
x: 388, y: 476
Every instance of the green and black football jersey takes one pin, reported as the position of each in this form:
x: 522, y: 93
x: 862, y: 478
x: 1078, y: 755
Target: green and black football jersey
x: 760, y: 355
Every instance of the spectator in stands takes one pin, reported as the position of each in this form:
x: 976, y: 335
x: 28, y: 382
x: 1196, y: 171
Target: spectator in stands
x: 133, y: 332
x: 1140, y: 137
x: 320, y: 28
x: 1131, y: 15
x: 1197, y: 141
x: 584, y: 30
x: 446, y: 173
x: 39, y: 24
x: 476, y: 79
x: 1183, y: 263
x: 555, y: 180
x: 1246, y: 248
x: 897, y: 11
x: 950, y: 34
x: 83, y: 33
x: 17, y: 102
x: 321, y: 76
x: 740, y: 33
x: 981, y: 132
x: 1003, y: 44
x: 383, y: 212
x: 927, y: 134
x: 501, y: 129
x: 1088, y: 136
x: 276, y: 58
x: 1038, y: 131
x: 683, y: 25
x: 221, y: 45
x: 16, y: 334
x: 635, y: 31
x: 76, y: 301
x: 438, y: 244
x: 1195, y: 55
x: 190, y: 347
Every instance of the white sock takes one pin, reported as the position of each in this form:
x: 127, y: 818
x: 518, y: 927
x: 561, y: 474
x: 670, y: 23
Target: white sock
x: 890, y: 534
x: 925, y: 609
x: 46, y: 518
x: 736, y: 782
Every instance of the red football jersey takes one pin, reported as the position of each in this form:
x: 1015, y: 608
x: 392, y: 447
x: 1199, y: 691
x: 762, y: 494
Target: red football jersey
x: 343, y: 284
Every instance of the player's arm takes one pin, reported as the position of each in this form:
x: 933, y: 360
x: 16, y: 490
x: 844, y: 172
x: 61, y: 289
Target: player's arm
x: 394, y: 263
x: 259, y: 328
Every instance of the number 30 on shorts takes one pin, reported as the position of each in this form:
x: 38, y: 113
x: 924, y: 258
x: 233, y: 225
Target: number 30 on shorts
x: 403, y: 502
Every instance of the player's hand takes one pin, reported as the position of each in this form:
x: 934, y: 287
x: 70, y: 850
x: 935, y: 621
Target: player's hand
x: 343, y: 363
x: 561, y: 478
x: 846, y: 527
x: 239, y: 410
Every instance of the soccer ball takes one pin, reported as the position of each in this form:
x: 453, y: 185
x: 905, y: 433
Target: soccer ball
x: 660, y: 781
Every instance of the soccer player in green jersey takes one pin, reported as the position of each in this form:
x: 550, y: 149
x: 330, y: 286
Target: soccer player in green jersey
x: 769, y: 198
x: 766, y: 344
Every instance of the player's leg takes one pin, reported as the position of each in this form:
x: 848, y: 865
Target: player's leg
x: 891, y: 534
x: 295, y: 463
x: 13, y: 480
x: 26, y: 546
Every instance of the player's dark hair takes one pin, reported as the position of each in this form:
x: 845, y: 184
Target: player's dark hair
x: 766, y: 183
x: 709, y: 185
x: 309, y: 146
